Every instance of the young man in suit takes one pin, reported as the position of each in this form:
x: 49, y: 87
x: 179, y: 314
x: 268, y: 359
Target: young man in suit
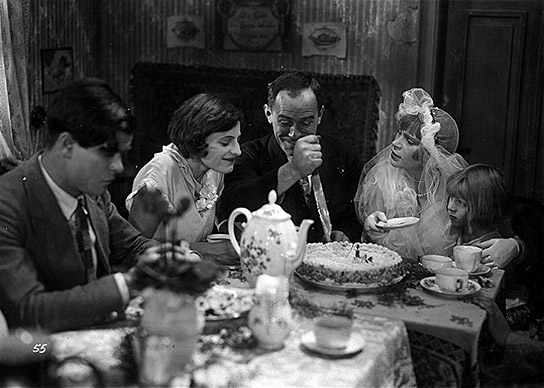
x: 56, y: 268
x: 285, y: 160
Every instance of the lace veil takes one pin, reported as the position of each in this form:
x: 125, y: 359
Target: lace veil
x: 391, y: 189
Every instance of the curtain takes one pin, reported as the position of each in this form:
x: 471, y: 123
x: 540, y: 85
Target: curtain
x: 16, y: 138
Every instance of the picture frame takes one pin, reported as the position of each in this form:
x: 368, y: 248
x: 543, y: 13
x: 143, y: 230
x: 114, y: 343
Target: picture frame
x: 57, y: 68
x: 324, y: 38
x: 185, y: 31
x: 253, y: 25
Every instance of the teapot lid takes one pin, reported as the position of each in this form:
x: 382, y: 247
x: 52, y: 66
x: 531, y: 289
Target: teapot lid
x: 271, y: 210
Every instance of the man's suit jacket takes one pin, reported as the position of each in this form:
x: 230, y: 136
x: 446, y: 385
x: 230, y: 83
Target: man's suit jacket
x: 42, y: 278
x: 256, y: 173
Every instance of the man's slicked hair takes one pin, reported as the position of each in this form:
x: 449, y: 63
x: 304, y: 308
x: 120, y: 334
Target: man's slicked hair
x: 89, y: 110
x: 294, y: 83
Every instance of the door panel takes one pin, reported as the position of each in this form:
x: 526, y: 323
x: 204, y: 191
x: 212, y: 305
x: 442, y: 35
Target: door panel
x: 491, y: 79
x: 491, y: 55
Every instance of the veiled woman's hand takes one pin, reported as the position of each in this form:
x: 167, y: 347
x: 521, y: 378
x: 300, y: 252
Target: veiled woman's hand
x: 373, y: 219
x: 371, y: 229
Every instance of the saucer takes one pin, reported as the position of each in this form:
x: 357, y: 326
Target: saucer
x: 396, y: 223
x: 354, y: 345
x: 216, y: 237
x: 481, y: 270
x: 430, y: 285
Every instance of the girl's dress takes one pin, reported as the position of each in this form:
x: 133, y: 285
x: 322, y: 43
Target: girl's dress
x: 170, y: 173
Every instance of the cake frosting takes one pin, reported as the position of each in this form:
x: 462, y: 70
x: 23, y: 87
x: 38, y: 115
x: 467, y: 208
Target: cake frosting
x: 344, y: 263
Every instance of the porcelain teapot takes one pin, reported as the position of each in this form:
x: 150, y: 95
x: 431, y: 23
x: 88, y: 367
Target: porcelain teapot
x: 269, y: 243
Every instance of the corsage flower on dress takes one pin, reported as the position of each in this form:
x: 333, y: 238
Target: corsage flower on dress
x: 206, y: 198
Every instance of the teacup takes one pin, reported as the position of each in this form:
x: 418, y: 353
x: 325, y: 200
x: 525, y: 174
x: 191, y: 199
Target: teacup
x: 433, y: 262
x: 467, y: 257
x: 333, y: 332
x: 451, y: 279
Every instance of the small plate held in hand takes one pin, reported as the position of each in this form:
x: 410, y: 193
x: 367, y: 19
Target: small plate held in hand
x: 396, y: 223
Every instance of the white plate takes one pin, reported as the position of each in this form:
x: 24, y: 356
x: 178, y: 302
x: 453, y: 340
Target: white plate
x: 216, y: 237
x: 430, y: 285
x: 354, y: 346
x: 396, y: 223
x: 357, y: 288
x: 481, y: 270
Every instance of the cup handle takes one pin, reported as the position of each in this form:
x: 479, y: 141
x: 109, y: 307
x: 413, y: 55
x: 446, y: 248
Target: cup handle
x: 459, y: 285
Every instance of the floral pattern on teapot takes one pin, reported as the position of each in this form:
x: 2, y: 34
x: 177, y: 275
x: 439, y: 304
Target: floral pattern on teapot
x: 269, y: 243
x: 256, y: 255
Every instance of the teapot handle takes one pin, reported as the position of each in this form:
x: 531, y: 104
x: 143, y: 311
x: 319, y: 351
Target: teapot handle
x: 232, y: 236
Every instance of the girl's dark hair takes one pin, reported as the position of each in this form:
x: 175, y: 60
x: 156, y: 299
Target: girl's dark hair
x: 197, y: 118
x: 90, y: 110
x: 294, y: 82
x: 486, y: 191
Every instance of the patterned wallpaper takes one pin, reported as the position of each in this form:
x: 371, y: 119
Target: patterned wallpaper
x: 109, y: 36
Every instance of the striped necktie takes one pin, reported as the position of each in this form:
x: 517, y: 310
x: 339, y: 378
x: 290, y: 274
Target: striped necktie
x: 83, y: 238
x: 307, y: 190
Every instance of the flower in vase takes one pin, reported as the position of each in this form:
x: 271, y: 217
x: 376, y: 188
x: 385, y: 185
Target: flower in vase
x: 176, y: 269
x: 154, y: 202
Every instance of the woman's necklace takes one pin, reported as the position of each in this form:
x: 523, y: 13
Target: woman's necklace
x: 417, y: 180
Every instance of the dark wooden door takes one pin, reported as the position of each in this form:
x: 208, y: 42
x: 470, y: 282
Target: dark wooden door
x: 492, y: 84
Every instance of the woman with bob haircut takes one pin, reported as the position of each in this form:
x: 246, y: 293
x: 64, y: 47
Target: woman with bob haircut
x: 408, y: 179
x: 204, y: 132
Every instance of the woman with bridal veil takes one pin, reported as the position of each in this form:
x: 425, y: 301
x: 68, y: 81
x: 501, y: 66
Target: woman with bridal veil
x: 408, y: 178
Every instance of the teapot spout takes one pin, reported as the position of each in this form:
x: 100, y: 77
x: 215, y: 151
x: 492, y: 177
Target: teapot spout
x: 302, y: 237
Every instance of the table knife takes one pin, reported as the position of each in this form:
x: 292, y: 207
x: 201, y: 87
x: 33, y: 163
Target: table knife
x: 321, y: 203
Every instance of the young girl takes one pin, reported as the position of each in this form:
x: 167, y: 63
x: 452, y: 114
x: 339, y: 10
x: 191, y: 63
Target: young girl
x: 479, y: 210
x: 478, y: 204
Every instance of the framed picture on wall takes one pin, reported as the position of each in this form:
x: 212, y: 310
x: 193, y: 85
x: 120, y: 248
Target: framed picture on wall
x: 253, y: 25
x: 57, y: 68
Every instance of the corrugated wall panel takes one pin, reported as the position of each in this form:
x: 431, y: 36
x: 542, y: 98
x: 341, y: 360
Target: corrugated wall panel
x: 62, y: 23
x: 381, y: 41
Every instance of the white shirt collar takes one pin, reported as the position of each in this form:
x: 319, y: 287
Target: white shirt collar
x: 67, y: 203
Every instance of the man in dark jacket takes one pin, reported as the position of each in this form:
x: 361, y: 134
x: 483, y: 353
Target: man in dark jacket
x: 286, y: 160
x: 60, y: 234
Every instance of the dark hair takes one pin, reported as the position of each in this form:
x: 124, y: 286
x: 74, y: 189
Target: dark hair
x: 294, y: 82
x: 197, y: 118
x: 90, y: 110
x: 486, y: 191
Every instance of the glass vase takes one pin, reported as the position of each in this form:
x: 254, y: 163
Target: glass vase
x: 169, y: 332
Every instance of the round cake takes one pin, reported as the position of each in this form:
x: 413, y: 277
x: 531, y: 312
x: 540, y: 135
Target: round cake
x: 347, y: 264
